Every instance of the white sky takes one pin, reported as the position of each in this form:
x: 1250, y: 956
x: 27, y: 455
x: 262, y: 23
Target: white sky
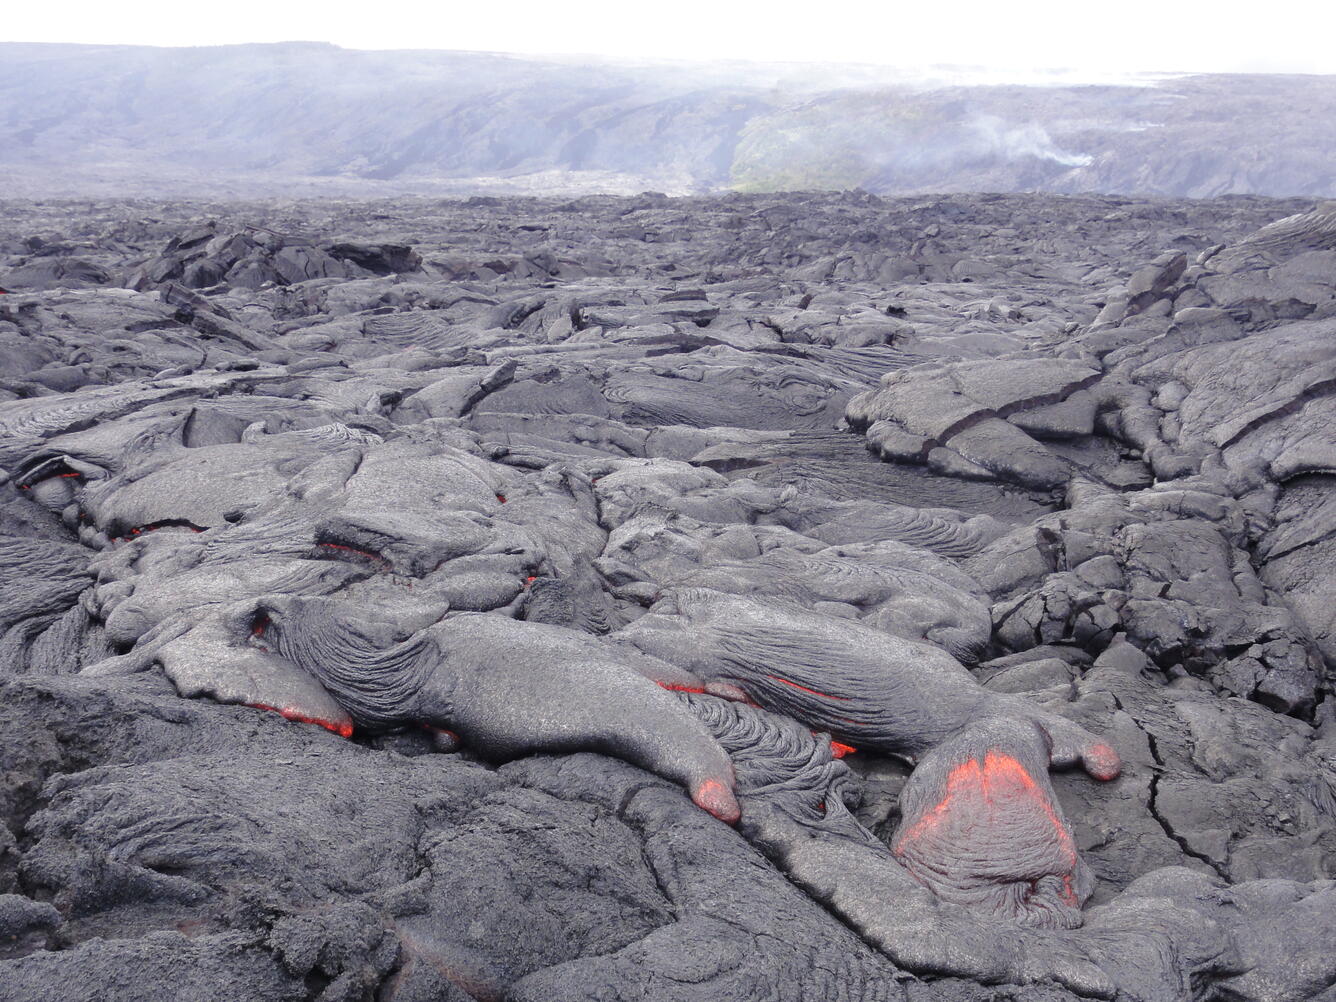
x: 1094, y: 39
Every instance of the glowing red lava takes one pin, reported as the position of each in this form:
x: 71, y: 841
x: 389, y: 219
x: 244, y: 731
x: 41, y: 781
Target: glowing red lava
x: 343, y: 730
x: 715, y: 798
x: 999, y: 783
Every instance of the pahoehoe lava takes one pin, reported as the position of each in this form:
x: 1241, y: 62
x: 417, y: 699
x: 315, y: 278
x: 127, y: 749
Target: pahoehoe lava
x: 795, y: 596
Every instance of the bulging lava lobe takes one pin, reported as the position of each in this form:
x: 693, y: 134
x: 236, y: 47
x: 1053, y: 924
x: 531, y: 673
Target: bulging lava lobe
x: 981, y: 827
x: 717, y: 799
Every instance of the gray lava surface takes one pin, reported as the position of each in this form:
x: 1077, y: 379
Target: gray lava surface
x: 668, y: 598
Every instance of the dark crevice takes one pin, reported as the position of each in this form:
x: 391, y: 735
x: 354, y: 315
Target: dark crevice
x: 166, y: 523
x: 315, y: 983
x: 1314, y: 391
x: 328, y: 549
x: 1152, y: 806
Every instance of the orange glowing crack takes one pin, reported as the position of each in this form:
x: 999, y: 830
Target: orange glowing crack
x: 167, y: 523
x: 999, y: 778
x: 343, y: 730
x: 814, y: 692
x: 56, y: 476
x: 838, y: 749
x: 1068, y: 894
x: 373, y: 557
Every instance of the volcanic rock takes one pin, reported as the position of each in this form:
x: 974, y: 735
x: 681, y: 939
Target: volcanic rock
x: 347, y: 541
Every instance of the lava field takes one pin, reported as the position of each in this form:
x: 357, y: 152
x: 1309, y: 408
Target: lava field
x: 802, y: 597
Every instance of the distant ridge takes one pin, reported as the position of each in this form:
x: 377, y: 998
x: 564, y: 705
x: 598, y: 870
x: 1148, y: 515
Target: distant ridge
x: 306, y: 118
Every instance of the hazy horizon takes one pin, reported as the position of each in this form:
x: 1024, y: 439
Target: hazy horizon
x: 750, y: 72
x: 321, y: 117
x: 1039, y: 37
